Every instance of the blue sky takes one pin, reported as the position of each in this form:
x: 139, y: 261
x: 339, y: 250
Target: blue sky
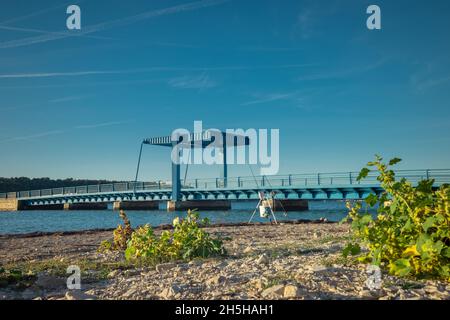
x: 78, y: 106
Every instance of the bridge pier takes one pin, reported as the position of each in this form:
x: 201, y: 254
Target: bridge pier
x: 135, y: 205
x: 10, y: 205
x: 198, y: 204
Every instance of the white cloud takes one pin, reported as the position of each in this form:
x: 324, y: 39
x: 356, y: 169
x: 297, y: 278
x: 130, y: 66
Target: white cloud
x: 197, y: 82
x: 111, y: 24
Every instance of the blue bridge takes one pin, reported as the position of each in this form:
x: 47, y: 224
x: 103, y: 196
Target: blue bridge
x: 294, y: 189
x: 338, y: 186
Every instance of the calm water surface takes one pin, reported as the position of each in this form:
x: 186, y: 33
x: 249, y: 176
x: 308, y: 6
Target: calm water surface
x: 49, y: 221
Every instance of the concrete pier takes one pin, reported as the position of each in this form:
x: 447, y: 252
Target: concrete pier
x: 135, y: 205
x: 10, y: 205
x: 198, y: 204
x: 86, y: 206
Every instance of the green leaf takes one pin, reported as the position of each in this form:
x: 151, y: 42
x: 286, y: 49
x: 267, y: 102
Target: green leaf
x: 446, y: 252
x: 362, y: 174
x: 400, y: 267
x: 351, y: 248
x: 425, y: 186
x: 371, y: 199
x: 366, y: 219
x: 428, y: 223
x: 394, y: 161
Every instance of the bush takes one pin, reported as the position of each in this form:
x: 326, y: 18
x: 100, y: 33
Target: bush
x: 187, y: 241
x: 121, y: 236
x: 411, y: 233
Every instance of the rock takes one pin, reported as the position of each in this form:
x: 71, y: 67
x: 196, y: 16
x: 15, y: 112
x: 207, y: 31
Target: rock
x: 263, y: 259
x: 430, y: 289
x: 113, y: 274
x: 30, y: 293
x: 277, y: 290
x: 365, y: 293
x: 259, y: 284
x: 196, y: 263
x: 318, y: 268
x: 216, y: 280
x: 170, y: 292
x: 165, y: 266
x: 129, y: 293
x: 248, y: 250
x: 48, y: 282
x: 78, y: 295
x: 291, y: 291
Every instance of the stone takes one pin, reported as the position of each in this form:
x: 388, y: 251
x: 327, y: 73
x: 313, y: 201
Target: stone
x: 169, y: 292
x: 318, y: 268
x: 165, y: 266
x: 291, y: 291
x: 78, y: 295
x: 48, y: 282
x: 129, y: 293
x: 216, y: 280
x: 248, y: 250
x: 263, y: 259
x: 259, y: 284
x: 276, y: 290
x: 113, y: 274
x: 29, y: 294
x: 430, y: 289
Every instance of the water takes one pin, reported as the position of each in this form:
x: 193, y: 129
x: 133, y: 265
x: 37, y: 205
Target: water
x: 53, y: 220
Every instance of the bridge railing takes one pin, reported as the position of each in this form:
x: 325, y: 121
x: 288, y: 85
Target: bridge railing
x: 295, y: 180
x: 317, y: 179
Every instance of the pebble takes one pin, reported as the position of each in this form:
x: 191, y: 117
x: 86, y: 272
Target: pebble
x: 276, y: 290
x: 78, y: 295
x: 263, y: 259
x: 162, y: 267
x: 291, y: 291
x: 248, y: 250
x: 216, y: 280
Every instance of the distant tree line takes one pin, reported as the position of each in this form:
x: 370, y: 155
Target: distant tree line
x: 24, y: 184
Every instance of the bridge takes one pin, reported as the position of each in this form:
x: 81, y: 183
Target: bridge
x: 294, y: 189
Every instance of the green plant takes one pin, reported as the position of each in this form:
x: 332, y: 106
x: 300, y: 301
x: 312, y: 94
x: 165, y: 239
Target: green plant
x: 411, y: 233
x: 16, y: 277
x: 121, y: 236
x: 187, y: 241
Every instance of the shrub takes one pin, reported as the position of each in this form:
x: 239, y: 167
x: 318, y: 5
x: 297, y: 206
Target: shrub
x: 121, y: 236
x: 187, y: 241
x: 411, y: 233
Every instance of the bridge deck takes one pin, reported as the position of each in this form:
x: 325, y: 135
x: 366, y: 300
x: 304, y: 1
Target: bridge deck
x: 291, y: 186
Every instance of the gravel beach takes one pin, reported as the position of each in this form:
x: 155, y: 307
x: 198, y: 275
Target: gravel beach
x: 264, y: 261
